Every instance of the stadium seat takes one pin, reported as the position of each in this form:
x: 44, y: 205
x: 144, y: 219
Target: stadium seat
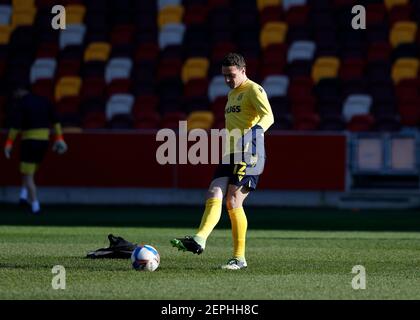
x: 23, y: 4
x: 118, y: 68
x: 119, y: 104
x: 356, y: 104
x: 47, y: 50
x: 93, y: 87
x: 409, y: 111
x: 273, y: 33
x: 171, y: 34
x: 23, y: 17
x: 171, y: 120
x: 72, y: 35
x: 352, y: 68
x: 379, y: 51
x: 75, y: 13
x: 147, y: 120
x: 306, y: 122
x: 44, y: 88
x: 164, y: 3
x: 170, y: 14
x: 146, y: 52
x: 145, y: 103
x: 169, y: 68
x: 276, y: 85
x: 194, y: 68
x: 97, y: 51
x: 43, y: 69
x: 301, y: 50
x: 67, y: 86
x: 196, y: 14
x: 403, y: 32
x: 119, y: 86
x: 200, y: 120
x: 262, y: 4
x: 122, y: 35
x: 5, y: 14
x: 68, y: 105
x: 400, y: 13
x: 68, y: 67
x: 361, y: 123
x: 217, y: 88
x: 407, y: 89
x: 392, y: 3
x: 405, y: 68
x: 325, y: 67
x: 271, y: 14
x: 5, y: 32
x: 94, y: 120
x: 196, y: 87
x: 287, y: 4
x: 376, y: 13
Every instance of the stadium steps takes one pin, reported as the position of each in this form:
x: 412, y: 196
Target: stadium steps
x: 380, y: 199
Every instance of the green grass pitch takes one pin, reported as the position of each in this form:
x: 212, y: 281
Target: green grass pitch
x: 291, y: 254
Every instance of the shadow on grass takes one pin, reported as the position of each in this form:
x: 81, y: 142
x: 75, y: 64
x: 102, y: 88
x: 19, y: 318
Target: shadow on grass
x: 189, y: 217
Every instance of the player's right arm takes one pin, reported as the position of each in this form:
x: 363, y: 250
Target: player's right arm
x: 15, y: 127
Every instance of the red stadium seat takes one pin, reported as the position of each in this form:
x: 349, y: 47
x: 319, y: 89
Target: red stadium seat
x: 196, y: 88
x: 145, y: 103
x: 306, y: 122
x: 410, y: 112
x: 147, y: 52
x: 147, y: 120
x: 352, y: 68
x: 376, y: 13
x: 68, y: 67
x: 94, y: 120
x: 195, y: 14
x: 171, y: 119
x: 361, y: 123
x: 119, y: 86
x: 271, y: 14
x: 68, y: 105
x: 44, y: 88
x: 93, y: 87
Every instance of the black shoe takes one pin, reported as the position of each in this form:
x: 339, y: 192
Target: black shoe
x: 187, y: 244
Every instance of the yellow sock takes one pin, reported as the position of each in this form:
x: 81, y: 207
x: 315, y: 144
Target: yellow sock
x: 210, y: 218
x: 239, y: 227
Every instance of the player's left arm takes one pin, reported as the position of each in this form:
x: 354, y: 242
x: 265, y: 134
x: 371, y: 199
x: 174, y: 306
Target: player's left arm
x: 59, y: 145
x: 259, y: 100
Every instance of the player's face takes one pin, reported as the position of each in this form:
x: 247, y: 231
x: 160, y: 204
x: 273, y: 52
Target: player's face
x: 234, y: 76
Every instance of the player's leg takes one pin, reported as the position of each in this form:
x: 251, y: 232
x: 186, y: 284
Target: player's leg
x: 209, y: 220
x: 235, y: 198
x: 28, y: 171
x: 213, y: 210
x: 32, y: 153
x: 23, y: 197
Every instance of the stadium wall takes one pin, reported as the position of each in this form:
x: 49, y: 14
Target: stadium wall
x: 315, y: 162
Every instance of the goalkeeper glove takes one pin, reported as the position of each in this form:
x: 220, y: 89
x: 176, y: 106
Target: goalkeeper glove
x: 60, y: 146
x: 8, y: 148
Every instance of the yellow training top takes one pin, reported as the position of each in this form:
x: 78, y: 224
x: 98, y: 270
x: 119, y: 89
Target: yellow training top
x: 247, y: 106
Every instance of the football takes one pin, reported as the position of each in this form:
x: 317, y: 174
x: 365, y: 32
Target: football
x: 145, y: 258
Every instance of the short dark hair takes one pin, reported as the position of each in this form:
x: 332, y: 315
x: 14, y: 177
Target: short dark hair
x: 234, y: 59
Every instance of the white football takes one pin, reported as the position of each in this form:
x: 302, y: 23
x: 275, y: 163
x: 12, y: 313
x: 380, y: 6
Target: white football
x: 145, y: 258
